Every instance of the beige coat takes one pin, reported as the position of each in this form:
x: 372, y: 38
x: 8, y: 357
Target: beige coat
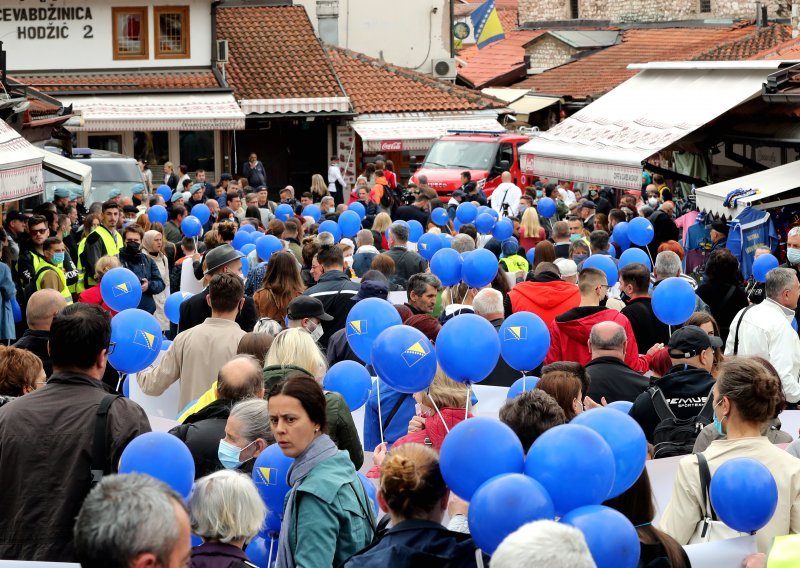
x: 195, y: 357
x: 163, y: 268
x: 683, y: 511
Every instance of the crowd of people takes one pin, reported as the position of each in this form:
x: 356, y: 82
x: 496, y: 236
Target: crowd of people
x: 252, y: 345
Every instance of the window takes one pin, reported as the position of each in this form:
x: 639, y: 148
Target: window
x: 172, y: 31
x: 506, y: 154
x: 573, y: 7
x: 107, y: 142
x: 197, y: 151
x: 130, y: 33
x: 705, y: 5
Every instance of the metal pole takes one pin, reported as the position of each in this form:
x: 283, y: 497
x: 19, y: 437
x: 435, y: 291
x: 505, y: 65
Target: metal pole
x: 450, y: 28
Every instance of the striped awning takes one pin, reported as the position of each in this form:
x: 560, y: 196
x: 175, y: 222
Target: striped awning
x: 415, y: 133
x: 201, y: 111
x: 299, y: 105
x: 20, y: 166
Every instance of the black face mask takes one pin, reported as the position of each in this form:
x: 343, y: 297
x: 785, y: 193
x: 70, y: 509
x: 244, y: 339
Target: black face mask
x: 132, y: 248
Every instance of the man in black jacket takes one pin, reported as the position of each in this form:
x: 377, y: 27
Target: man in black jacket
x: 334, y: 289
x: 239, y: 379
x: 42, y: 307
x: 418, y: 211
x: 196, y: 309
x: 687, y: 385
x: 634, y: 280
x: 611, y: 378
x: 406, y: 262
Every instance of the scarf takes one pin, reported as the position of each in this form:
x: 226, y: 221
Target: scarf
x: 317, y: 451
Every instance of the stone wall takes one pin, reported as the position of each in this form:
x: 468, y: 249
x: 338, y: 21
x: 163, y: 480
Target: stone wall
x: 647, y: 10
x: 548, y: 52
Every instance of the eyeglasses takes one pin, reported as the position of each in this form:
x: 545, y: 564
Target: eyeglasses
x: 38, y: 231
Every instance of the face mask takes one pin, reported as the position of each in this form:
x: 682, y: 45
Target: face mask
x: 539, y: 193
x: 317, y: 332
x: 331, y: 210
x: 652, y: 202
x: 793, y: 255
x: 578, y: 258
x: 228, y: 454
x: 132, y: 248
x: 575, y: 237
x: 58, y: 258
x: 348, y: 261
x: 522, y: 209
x: 593, y: 194
x: 717, y: 421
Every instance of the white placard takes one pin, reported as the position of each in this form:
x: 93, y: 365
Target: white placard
x: 790, y: 422
x: 662, y: 474
x: 722, y: 553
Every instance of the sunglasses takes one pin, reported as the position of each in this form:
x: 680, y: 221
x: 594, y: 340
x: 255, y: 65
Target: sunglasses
x: 38, y: 231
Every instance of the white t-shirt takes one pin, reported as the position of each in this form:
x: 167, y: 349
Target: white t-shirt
x: 509, y: 194
x: 334, y: 175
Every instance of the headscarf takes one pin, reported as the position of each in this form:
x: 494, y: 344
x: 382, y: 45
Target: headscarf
x: 148, y: 242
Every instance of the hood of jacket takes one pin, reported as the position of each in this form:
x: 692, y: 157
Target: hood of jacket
x: 546, y: 295
x: 435, y: 428
x: 578, y: 322
x: 689, y: 381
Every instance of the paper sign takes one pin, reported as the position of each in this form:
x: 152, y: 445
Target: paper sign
x: 662, y: 474
x: 721, y: 553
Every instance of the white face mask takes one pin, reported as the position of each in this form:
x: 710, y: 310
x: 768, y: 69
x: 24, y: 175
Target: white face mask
x: 652, y: 202
x: 317, y: 332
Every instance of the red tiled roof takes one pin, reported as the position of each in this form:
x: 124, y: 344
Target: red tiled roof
x: 499, y: 3
x: 376, y: 87
x: 788, y: 50
x: 761, y: 40
x: 111, y: 81
x: 598, y: 73
x: 499, y: 63
x: 274, y: 54
x: 509, y: 19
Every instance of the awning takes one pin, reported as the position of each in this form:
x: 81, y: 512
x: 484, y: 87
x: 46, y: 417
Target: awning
x: 417, y: 134
x: 72, y: 170
x: 509, y: 95
x: 299, y: 105
x: 201, y: 111
x: 607, y: 141
x: 531, y: 103
x: 20, y: 166
x: 774, y: 187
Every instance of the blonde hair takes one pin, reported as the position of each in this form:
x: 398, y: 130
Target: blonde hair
x: 446, y: 392
x: 296, y: 347
x: 382, y: 222
x: 103, y: 265
x: 225, y: 506
x: 530, y: 222
x: 411, y: 482
x: 318, y: 186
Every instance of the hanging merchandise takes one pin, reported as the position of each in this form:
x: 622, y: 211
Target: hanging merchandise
x: 697, y: 244
x: 751, y: 229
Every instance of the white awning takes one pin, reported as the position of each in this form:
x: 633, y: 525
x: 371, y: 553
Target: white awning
x: 20, y: 166
x: 417, y: 134
x: 531, y: 103
x: 69, y: 169
x: 774, y: 187
x: 299, y: 105
x: 607, y: 141
x: 211, y: 111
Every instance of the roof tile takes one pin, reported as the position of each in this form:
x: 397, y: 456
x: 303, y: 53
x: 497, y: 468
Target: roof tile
x: 111, y: 81
x: 788, y: 50
x: 761, y: 40
x: 497, y: 61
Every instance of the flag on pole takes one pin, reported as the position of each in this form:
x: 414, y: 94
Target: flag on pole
x: 486, y: 24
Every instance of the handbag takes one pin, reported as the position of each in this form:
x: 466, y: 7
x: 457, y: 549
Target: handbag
x: 709, y: 528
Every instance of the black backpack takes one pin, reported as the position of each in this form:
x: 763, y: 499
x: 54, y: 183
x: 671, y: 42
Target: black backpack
x: 387, y: 198
x: 674, y: 436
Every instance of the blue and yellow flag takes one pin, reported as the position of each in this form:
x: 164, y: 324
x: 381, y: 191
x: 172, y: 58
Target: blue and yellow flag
x: 486, y: 24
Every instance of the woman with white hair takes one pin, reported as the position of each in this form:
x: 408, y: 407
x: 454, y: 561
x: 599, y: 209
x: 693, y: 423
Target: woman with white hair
x: 227, y: 512
x: 247, y: 434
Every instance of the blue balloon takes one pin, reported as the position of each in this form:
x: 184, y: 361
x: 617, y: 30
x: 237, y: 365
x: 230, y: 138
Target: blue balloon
x: 503, y: 229
x: 164, y: 191
x: 247, y: 249
x: 157, y: 214
x: 633, y: 255
x: 493, y: 213
x: 267, y: 245
x: 531, y: 256
x: 312, y: 211
x: 137, y: 337
x: 263, y: 551
x: 332, y: 228
x: 479, y: 268
x: 365, y: 322
x: 743, y: 481
x: 162, y: 456
x: 16, y: 310
x: 446, y: 264
x: 245, y: 266
x: 196, y: 541
x: 521, y: 385
x: 621, y: 405
x: 172, y: 307
x: 762, y: 265
x: 640, y: 231
x: 126, y: 387
x: 626, y: 440
x: 121, y: 289
x: 574, y: 464
x: 794, y: 324
x: 283, y: 212
x: 202, y: 212
x: 497, y: 445
x: 240, y: 239
x: 673, y: 301
x: 604, y: 263
x: 611, y: 537
x: 247, y: 229
x: 359, y: 208
x: 466, y: 212
x: 477, y: 362
x: 372, y: 492
x: 191, y: 226
x: 546, y: 207
x: 415, y: 230
x: 612, y: 251
x: 398, y: 222
x: 457, y: 225
x: 269, y: 474
x: 485, y: 209
x: 351, y: 380
x: 484, y: 223
x: 165, y: 345
x: 428, y: 245
x: 403, y: 357
x: 349, y: 223
x: 524, y: 341
x: 498, y: 508
x: 440, y: 216
x: 254, y: 234
x: 447, y: 238
x: 620, y: 235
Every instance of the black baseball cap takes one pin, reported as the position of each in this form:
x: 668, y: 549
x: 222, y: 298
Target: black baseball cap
x: 16, y: 215
x: 307, y: 307
x: 690, y: 340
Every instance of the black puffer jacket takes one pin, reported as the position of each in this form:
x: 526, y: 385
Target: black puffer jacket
x: 201, y: 432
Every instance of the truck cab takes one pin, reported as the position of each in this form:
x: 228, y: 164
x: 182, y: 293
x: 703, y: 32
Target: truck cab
x: 485, y: 154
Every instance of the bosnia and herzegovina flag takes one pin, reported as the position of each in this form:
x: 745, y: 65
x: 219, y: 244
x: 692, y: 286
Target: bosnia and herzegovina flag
x: 486, y: 24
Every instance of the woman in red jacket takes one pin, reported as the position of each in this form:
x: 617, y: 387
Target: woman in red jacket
x: 92, y: 295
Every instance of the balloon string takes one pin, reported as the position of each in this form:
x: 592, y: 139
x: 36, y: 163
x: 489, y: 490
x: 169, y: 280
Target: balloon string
x: 380, y: 416
x: 269, y: 558
x: 439, y: 412
x: 119, y: 382
x: 652, y: 262
x: 469, y: 396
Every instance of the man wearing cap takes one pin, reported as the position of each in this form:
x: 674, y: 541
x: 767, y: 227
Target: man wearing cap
x: 103, y: 240
x: 196, y: 355
x: 568, y: 270
x: 308, y: 313
x: 114, y: 195
x: 719, y: 235
x: 544, y: 294
x: 505, y: 198
x: 417, y: 211
x: 138, y: 195
x: 456, y: 199
x: 195, y: 310
x: 211, y: 191
x: 687, y: 385
x: 61, y: 199
x: 334, y: 289
x: 16, y: 230
x: 196, y: 196
x: 586, y: 212
x: 511, y: 260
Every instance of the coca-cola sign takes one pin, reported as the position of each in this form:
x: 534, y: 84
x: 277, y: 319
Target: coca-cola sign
x: 391, y: 146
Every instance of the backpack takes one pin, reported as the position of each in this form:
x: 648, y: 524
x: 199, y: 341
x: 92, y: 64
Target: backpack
x: 387, y: 197
x: 674, y: 436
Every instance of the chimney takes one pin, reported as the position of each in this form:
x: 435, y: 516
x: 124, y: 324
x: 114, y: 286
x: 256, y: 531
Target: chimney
x: 328, y: 21
x: 795, y: 18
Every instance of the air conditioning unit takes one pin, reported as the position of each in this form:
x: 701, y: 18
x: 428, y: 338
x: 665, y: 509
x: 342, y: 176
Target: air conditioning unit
x: 444, y: 68
x: 222, y: 51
